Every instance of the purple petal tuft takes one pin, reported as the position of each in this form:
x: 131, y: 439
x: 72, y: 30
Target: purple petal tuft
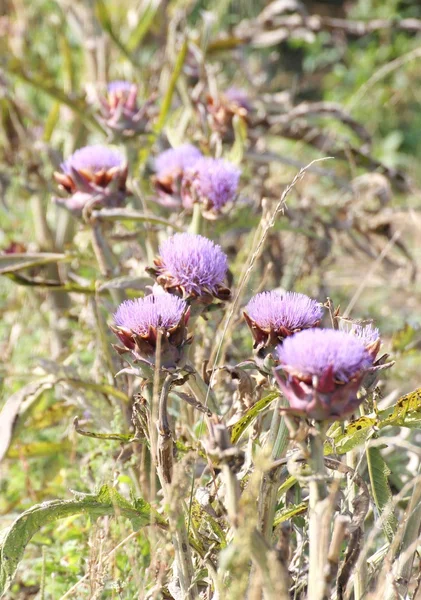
x: 176, y: 159
x: 162, y: 311
x: 94, y: 159
x: 194, y: 262
x: 312, y: 352
x: 275, y: 311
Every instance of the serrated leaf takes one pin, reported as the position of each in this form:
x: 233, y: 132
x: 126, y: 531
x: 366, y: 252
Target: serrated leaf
x: 379, y: 472
x: 108, y: 501
x: 10, y: 263
x: 405, y: 413
x: 252, y: 413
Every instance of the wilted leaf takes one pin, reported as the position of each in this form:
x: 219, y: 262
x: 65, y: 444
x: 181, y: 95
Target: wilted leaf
x: 10, y: 411
x: 10, y: 263
x: 108, y: 501
x: 118, y: 437
x: 354, y: 434
x: 242, y: 424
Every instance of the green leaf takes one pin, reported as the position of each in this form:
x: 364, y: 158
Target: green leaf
x: 405, y: 413
x: 10, y: 263
x: 166, y: 102
x: 34, y: 449
x: 104, y: 18
x: 379, y: 472
x: 145, y: 21
x: 247, y: 419
x: 128, y: 214
x: 289, y: 512
x: 108, y: 501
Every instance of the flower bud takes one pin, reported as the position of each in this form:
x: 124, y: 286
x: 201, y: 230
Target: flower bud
x: 93, y: 174
x: 120, y: 112
x: 324, y: 370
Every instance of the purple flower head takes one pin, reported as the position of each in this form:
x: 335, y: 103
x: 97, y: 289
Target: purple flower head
x: 93, y: 160
x: 120, y: 86
x: 138, y: 323
x: 192, y: 266
x: 176, y: 160
x: 93, y: 175
x: 212, y: 182
x: 324, y: 369
x: 238, y: 96
x: 272, y: 316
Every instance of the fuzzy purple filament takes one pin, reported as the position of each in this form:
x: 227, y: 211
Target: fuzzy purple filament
x: 176, y: 159
x: 276, y: 311
x: 216, y: 181
x: 366, y: 333
x: 93, y: 159
x: 161, y: 311
x: 312, y: 352
x: 195, y: 263
x: 119, y: 86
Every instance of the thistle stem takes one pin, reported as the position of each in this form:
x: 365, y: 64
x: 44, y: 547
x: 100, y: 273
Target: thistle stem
x: 196, y: 221
x: 319, y: 530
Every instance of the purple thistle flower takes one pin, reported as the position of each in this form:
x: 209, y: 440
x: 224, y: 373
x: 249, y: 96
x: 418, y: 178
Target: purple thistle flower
x: 212, y: 182
x: 120, y: 86
x: 192, y: 266
x: 138, y: 323
x: 272, y: 316
x: 176, y: 160
x: 369, y: 335
x: 93, y: 174
x: 238, y: 96
x: 162, y: 311
x: 93, y: 160
x: 324, y: 369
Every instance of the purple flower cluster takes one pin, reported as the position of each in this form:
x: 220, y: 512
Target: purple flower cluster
x: 184, y: 176
x: 192, y: 266
x: 272, y: 316
x: 94, y: 174
x: 324, y: 369
x: 120, y: 87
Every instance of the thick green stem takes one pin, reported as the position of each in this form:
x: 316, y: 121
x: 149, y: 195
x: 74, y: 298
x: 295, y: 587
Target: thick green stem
x: 196, y: 222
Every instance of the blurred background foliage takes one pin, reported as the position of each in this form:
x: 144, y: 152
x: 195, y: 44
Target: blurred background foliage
x: 55, y: 58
